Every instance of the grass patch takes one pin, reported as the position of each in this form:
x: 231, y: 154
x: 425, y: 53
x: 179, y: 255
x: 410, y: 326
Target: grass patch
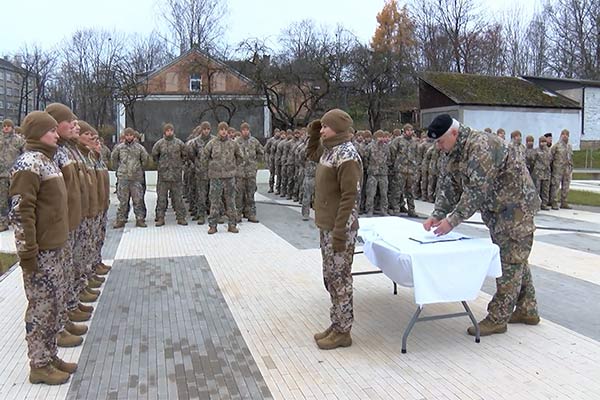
x: 577, y: 176
x: 593, y: 158
x: 7, y: 261
x: 584, y: 198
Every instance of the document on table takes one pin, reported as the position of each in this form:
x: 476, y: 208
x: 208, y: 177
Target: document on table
x: 430, y: 237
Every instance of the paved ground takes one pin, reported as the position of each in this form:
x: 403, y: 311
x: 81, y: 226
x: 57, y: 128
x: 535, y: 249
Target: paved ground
x: 187, y: 315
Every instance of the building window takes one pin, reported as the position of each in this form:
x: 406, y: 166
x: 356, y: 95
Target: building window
x: 195, y: 83
x: 8, y: 77
x: 1, y: 89
x: 1, y: 104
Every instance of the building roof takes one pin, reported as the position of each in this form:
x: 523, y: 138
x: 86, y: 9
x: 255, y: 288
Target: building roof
x: 469, y: 89
x: 577, y: 82
x: 5, y: 64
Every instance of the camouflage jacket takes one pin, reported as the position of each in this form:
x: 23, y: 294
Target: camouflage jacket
x: 310, y: 166
x: 378, y: 158
x: 519, y: 149
x: 279, y: 150
x: 484, y: 174
x: 289, y: 152
x: 427, y: 153
x: 223, y: 157
x: 195, y: 151
x: 402, y: 152
x: 169, y: 155
x: 270, y: 147
x: 541, y: 163
x: 530, y: 155
x: 129, y: 160
x: 562, y: 157
x: 11, y: 146
x: 252, y: 153
x: 105, y: 155
x: 433, y: 161
x: 300, y: 155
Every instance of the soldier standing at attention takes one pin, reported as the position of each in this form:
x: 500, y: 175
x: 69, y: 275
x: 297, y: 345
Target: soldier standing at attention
x: 129, y: 159
x: 562, y: 169
x: 270, y: 148
x: 485, y: 175
x: 337, y: 192
x: 169, y: 153
x: 516, y: 141
x: 378, y: 158
x: 252, y: 153
x: 195, y: 152
x: 223, y: 156
x: 11, y: 146
x: 402, y: 151
x: 530, y: 153
x: 39, y: 216
x: 308, y: 186
x: 541, y: 172
x: 501, y: 134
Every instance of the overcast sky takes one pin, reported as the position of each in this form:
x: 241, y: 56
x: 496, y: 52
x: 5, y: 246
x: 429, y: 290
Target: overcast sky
x: 49, y: 22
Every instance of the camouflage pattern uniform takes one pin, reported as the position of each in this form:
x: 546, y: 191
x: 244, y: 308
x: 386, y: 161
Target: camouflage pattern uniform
x: 83, y: 250
x: 11, y: 146
x: 223, y: 156
x: 105, y: 155
x: 169, y: 155
x: 419, y: 155
x: 484, y: 174
x: 285, y: 178
x: 530, y: 155
x: 402, y: 152
x: 45, y: 285
x: 195, y: 151
x: 541, y: 173
x: 270, y: 148
x: 280, y: 147
x: 290, y: 167
x: 308, y: 190
x: 189, y: 171
x: 362, y: 152
x: 427, y: 153
x: 378, y: 159
x: 432, y: 174
x: 562, y: 169
x: 129, y: 160
x: 252, y: 153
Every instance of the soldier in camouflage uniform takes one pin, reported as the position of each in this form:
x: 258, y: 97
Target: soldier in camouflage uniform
x: 562, y: 170
x: 428, y: 152
x: 39, y: 217
x: 11, y: 146
x: 541, y: 171
x: 308, y: 189
x: 252, y: 153
x: 270, y: 148
x: 285, y: 150
x: 223, y: 156
x: 362, y: 151
x: 485, y: 175
x: 189, y: 178
x: 378, y: 159
x: 290, y: 164
x: 402, y: 153
x: 432, y: 174
x: 338, y: 180
x: 104, y: 152
x: 516, y: 139
x: 419, y: 154
x: 299, y: 158
x: 129, y: 159
x: 169, y: 154
x: 195, y: 152
x: 279, y: 148
x: 530, y: 153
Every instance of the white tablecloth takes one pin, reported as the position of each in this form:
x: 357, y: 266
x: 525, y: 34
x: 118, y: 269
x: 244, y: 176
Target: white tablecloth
x: 439, y: 272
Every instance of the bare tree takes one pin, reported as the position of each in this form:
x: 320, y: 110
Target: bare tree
x: 538, y: 45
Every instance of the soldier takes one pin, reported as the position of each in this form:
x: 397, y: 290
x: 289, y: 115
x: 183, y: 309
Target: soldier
x: 189, y: 180
x: 432, y: 174
x: 338, y: 180
x: 103, y: 179
x: 39, y: 217
x: 362, y: 151
x: 402, y: 151
x: 530, y: 153
x: 548, y: 137
x: 195, y: 149
x: 290, y: 164
x: 308, y: 190
x: 485, y: 175
x: 11, y: 146
x: 281, y: 144
x: 169, y: 154
x: 223, y: 155
x: 252, y: 153
x: 429, y: 149
x: 516, y: 139
x: 270, y: 148
x: 541, y: 172
x: 129, y: 159
x: 562, y: 169
x: 419, y: 154
x: 104, y: 151
x: 501, y: 134
x: 378, y: 158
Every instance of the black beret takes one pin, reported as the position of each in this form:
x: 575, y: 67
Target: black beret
x: 439, y: 126
x: 548, y: 134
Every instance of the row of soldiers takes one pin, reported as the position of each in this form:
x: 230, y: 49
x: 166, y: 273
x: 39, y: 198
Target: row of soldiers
x: 59, y: 197
x: 219, y: 174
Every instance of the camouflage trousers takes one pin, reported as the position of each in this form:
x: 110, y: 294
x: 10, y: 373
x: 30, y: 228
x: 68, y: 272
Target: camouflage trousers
x: 337, y: 275
x: 222, y: 190
x: 291, y: 173
x: 202, y: 203
x: 416, y: 187
x: 308, y: 194
x: 71, y: 275
x: 561, y: 181
x: 244, y: 196
x: 543, y: 189
x: 100, y: 222
x: 375, y: 182
x: 278, y: 171
x: 191, y: 193
x: 515, y: 287
x: 83, y: 252
x: 163, y: 190
x: 432, y: 185
x: 402, y: 190
x: 298, y: 183
x: 284, y: 180
x: 133, y: 190
x: 424, y: 183
x: 272, y: 172
x: 363, y: 193
x: 4, y: 186
x: 44, y: 289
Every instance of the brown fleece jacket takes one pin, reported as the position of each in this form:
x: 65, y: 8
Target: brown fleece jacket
x: 66, y: 161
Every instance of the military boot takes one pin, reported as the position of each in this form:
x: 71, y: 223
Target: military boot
x: 76, y: 329
x: 212, y: 229
x: 182, y: 221
x: 201, y: 221
x: 487, y: 327
x: 195, y: 218
x: 412, y: 214
x: 554, y: 207
x: 566, y: 206
x: 221, y: 220
x: 118, y: 224
x: 65, y: 339
x: 94, y: 284
x: 253, y: 219
x: 160, y: 222
x: 92, y: 291
x: 79, y: 316
x: 519, y: 318
x: 99, y: 278
x: 270, y: 190
x: 48, y: 375
x: 85, y: 308
x: 140, y: 223
x: 324, y: 334
x: 544, y: 208
x: 233, y: 229
x: 63, y: 366
x: 86, y: 297
x: 334, y: 340
x: 101, y: 269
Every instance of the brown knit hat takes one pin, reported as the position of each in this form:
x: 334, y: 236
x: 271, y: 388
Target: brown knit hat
x: 8, y: 122
x: 244, y: 125
x: 379, y: 133
x: 85, y: 127
x: 60, y: 112
x: 128, y: 131
x: 36, y: 124
x: 168, y: 126
x: 205, y: 125
x: 337, y: 120
x: 223, y: 125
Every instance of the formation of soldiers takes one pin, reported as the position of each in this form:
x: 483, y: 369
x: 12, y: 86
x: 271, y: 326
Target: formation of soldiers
x: 59, y: 197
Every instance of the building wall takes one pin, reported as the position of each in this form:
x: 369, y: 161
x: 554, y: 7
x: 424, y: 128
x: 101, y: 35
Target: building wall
x: 10, y: 93
x: 529, y: 121
x: 591, y: 116
x: 427, y: 115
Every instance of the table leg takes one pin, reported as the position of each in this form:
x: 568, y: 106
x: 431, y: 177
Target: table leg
x: 395, y: 288
x: 412, y: 322
x: 473, y: 320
